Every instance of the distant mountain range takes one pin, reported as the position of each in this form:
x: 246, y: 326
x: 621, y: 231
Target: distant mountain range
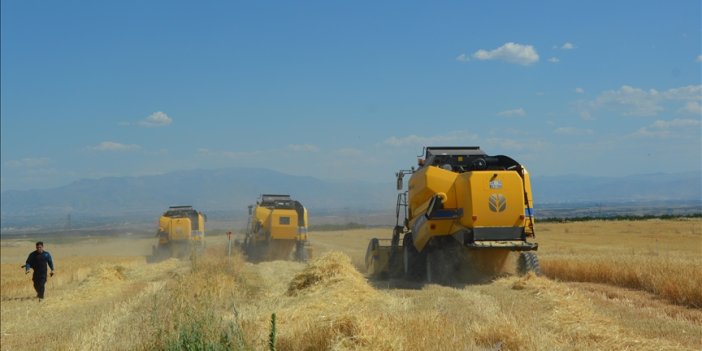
x: 226, y: 193
x: 222, y: 192
x: 662, y: 187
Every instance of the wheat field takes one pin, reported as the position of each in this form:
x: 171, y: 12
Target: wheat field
x: 606, y: 286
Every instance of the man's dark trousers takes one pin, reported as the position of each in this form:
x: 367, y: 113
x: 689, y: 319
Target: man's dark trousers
x: 39, y: 279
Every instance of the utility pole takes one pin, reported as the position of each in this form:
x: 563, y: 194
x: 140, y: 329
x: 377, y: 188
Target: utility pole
x: 229, y: 237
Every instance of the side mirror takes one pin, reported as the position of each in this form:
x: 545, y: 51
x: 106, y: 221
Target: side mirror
x: 250, y: 209
x: 399, y: 175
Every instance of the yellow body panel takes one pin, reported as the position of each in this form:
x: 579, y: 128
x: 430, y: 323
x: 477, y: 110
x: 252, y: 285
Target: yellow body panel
x: 278, y: 224
x: 261, y: 218
x: 429, y: 181
x: 283, y: 224
x: 477, y: 200
x: 180, y: 229
x: 487, y: 199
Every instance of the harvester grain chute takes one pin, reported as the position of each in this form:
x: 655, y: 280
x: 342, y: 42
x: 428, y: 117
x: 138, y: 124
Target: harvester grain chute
x: 277, y: 229
x: 464, y: 213
x: 181, y: 229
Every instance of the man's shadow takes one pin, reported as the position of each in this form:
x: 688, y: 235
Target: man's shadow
x: 22, y: 298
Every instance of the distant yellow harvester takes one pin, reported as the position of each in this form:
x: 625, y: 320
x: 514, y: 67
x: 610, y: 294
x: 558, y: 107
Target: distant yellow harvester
x: 463, y: 210
x: 180, y: 229
x: 277, y: 227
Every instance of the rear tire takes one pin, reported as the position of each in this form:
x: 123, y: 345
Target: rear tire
x: 300, y: 251
x: 528, y: 262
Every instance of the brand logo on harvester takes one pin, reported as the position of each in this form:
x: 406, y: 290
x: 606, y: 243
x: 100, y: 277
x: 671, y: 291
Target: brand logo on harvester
x: 497, y: 202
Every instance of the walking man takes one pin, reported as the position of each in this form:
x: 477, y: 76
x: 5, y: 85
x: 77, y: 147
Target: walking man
x: 38, y: 260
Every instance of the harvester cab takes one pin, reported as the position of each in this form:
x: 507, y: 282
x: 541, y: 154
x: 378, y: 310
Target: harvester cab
x: 276, y: 227
x: 462, y: 211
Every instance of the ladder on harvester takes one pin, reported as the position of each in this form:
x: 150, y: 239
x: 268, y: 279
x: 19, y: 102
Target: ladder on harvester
x: 401, y: 207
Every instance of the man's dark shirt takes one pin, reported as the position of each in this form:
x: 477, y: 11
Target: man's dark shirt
x: 38, y: 262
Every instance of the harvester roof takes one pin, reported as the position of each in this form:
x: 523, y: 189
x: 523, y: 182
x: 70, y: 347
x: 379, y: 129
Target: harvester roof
x: 277, y: 201
x: 283, y: 202
x: 274, y: 197
x: 453, y: 150
x: 465, y: 159
x: 180, y: 211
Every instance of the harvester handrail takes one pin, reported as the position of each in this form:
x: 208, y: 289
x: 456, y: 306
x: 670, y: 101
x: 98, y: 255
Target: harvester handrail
x: 401, y: 202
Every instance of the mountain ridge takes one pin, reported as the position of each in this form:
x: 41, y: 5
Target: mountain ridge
x: 228, y: 191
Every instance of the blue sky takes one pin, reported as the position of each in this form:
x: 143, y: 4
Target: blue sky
x: 345, y: 90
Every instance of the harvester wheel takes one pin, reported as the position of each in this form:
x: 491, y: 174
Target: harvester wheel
x: 370, y: 257
x: 300, y: 251
x: 528, y: 262
x: 413, y: 261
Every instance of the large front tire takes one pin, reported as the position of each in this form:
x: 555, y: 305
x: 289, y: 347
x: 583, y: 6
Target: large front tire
x: 528, y: 262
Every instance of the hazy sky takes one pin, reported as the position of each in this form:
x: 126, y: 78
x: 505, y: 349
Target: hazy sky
x: 345, y: 89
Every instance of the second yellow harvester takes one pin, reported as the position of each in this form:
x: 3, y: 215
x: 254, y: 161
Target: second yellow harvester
x: 277, y: 227
x: 180, y: 229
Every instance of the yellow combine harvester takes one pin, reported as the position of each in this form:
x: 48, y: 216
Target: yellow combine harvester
x: 277, y: 227
x: 180, y: 229
x: 463, y: 214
